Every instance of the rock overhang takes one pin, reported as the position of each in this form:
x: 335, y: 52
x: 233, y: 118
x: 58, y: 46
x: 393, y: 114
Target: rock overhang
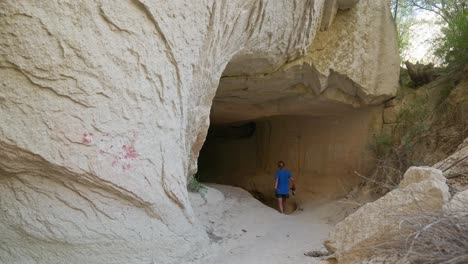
x: 339, y: 69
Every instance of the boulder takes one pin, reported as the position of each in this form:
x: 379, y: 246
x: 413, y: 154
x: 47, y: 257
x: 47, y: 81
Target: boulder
x: 347, y: 4
x: 377, y: 222
x: 421, y: 74
x: 455, y: 168
x: 458, y: 204
x: 419, y: 174
x: 329, y: 13
x: 456, y: 164
x: 463, y: 145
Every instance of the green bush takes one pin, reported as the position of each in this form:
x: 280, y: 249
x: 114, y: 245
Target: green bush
x: 193, y: 185
x: 382, y: 144
x: 403, y: 16
x: 452, y: 47
x: 414, y: 121
x: 392, y: 151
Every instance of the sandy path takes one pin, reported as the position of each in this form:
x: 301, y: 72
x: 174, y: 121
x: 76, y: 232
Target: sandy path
x: 243, y: 230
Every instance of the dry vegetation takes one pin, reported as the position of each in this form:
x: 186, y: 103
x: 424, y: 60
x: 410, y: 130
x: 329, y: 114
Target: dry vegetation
x: 430, y: 238
x: 431, y: 124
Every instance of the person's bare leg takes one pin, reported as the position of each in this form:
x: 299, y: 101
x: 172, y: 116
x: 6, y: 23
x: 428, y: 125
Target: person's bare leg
x: 280, y: 204
x: 284, y: 204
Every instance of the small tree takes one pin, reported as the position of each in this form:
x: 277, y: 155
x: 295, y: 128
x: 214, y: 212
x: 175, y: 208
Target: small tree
x: 452, y: 47
x: 403, y: 15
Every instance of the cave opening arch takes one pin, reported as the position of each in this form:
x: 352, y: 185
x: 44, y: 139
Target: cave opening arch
x: 309, y: 107
x: 322, y: 152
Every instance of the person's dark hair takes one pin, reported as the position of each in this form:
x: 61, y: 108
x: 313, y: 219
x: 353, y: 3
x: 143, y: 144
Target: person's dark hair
x: 281, y: 164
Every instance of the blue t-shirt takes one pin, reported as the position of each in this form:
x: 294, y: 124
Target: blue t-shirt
x: 283, y: 177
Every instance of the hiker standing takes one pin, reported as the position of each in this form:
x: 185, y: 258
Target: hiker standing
x: 283, y: 176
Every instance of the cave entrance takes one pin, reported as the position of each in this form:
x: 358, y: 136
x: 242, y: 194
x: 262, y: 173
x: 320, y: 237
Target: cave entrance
x: 318, y: 125
x: 321, y: 151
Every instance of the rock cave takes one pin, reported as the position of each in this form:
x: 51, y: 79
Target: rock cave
x: 323, y: 143
x: 315, y: 117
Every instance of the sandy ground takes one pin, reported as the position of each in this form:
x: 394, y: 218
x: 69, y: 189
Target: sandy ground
x: 243, y: 230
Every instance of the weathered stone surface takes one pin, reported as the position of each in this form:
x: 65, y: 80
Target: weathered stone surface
x: 418, y: 174
x: 421, y: 74
x: 378, y: 221
x: 391, y: 102
x: 390, y: 115
x: 463, y: 145
x: 104, y: 106
x: 338, y: 70
x: 329, y: 12
x: 457, y: 163
x: 346, y: 4
x: 388, y: 129
x: 458, y: 204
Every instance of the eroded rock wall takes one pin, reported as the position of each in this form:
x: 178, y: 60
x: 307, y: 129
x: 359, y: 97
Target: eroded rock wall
x: 353, y: 62
x: 104, y: 106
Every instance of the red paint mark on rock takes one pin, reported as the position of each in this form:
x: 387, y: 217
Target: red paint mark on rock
x: 126, y: 166
x: 130, y: 152
x: 129, y: 149
x: 87, y: 138
x: 124, y: 157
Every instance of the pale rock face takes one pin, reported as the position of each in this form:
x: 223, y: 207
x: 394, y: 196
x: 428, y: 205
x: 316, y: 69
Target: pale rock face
x: 418, y: 174
x: 346, y: 4
x: 458, y: 204
x: 390, y: 115
x: 379, y: 221
x: 104, y: 106
x: 463, y: 145
x: 457, y: 163
x: 338, y: 70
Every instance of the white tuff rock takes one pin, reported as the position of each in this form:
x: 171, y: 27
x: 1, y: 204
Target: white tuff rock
x: 379, y: 221
x: 104, y: 106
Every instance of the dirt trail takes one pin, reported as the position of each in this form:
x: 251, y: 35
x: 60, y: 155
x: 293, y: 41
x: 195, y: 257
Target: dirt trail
x: 243, y: 230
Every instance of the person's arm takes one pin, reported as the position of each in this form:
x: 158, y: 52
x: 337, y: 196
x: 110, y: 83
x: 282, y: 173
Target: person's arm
x: 293, y: 182
x: 293, y: 185
x: 276, y: 183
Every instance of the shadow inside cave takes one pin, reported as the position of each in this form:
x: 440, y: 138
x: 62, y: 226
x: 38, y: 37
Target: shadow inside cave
x: 322, y: 152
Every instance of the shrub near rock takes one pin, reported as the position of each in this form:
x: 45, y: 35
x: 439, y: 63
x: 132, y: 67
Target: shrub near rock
x: 354, y: 239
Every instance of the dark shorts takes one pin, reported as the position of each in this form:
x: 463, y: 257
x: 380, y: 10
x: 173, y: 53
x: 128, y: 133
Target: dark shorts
x: 281, y: 195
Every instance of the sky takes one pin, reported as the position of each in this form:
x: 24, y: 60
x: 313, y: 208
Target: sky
x: 422, y: 34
